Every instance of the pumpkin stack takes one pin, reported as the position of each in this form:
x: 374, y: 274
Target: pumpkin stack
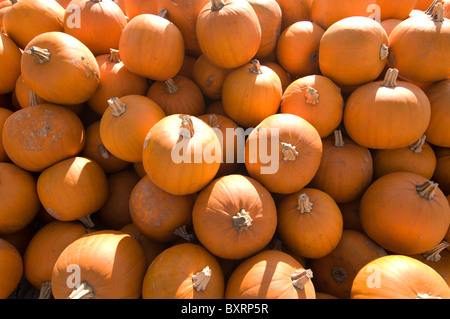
x: 224, y: 149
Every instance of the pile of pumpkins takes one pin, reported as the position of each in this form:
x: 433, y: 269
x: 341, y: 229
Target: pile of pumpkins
x: 119, y: 178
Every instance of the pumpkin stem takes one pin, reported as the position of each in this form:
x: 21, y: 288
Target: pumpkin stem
x: 104, y: 153
x: 114, y: 56
x: 289, y: 152
x: 427, y: 190
x: 183, y: 233
x: 87, y: 221
x: 187, y: 127
x: 201, y: 279
x: 171, y: 87
x: 417, y: 146
x: 437, y: 14
x: 256, y: 67
x: 212, y: 121
x: 242, y: 220
x: 431, y: 7
x: 311, y: 96
x: 46, y: 290
x: 216, y: 5
x: 339, y: 274
x: 301, y: 277
x: 163, y: 13
x: 434, y: 253
x: 40, y: 55
x: 303, y: 204
x: 338, y: 139
x: 33, y: 98
x: 384, y: 51
x: 117, y: 106
x: 83, y: 291
x: 390, y: 78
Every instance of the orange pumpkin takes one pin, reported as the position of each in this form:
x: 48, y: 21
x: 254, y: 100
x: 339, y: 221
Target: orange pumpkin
x: 10, y: 57
x: 184, y: 271
x: 270, y: 274
x: 437, y: 258
x: 285, y: 77
x: 389, y: 25
x: 442, y: 172
x: 11, y: 268
x: 21, y: 238
x: 293, y: 11
x: 111, y: 266
x: 437, y: 132
x: 350, y: 215
x: 395, y: 9
x: 423, y: 5
x: 4, y: 114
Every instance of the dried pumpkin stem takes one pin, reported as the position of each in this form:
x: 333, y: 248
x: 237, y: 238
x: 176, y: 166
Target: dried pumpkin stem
x: 87, y: 221
x: 390, y: 78
x: 338, y: 139
x: 186, y: 127
x: 417, y: 146
x: 163, y: 13
x: 33, y: 98
x: 114, y: 56
x: 201, y: 279
x: 117, y: 106
x: 384, y: 51
x: 216, y: 5
x: 242, y: 220
x: 303, y: 204
x: 256, y: 67
x: 40, y: 55
x: 434, y: 253
x: 427, y: 190
x: 311, y: 96
x: 83, y: 291
x: 437, y: 14
x: 183, y: 233
x: 430, y: 9
x: 289, y: 151
x: 46, y: 290
x: 301, y: 277
x: 171, y: 87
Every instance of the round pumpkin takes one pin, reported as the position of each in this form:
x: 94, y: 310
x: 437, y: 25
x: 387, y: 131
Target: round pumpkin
x: 285, y: 77
x: 395, y: 9
x: 4, y: 114
x: 389, y: 25
x: 350, y: 215
x: 293, y: 11
x: 137, y: 7
x: 437, y: 131
x: 11, y: 268
x: 10, y: 57
x: 442, y: 172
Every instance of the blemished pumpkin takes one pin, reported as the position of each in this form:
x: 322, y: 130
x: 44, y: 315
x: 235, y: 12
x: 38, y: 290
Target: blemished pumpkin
x: 125, y: 124
x: 111, y: 266
x: 181, y: 154
x: 405, y: 213
x: 59, y: 68
x: 376, y: 111
x: 10, y: 57
x: 11, y: 268
x: 19, y: 201
x: 39, y: 136
x: 293, y: 11
x: 334, y: 273
x: 399, y: 277
x: 44, y: 249
x: 228, y: 32
x: 437, y: 131
x: 270, y: 274
x: 4, y: 114
x: 310, y: 223
x: 73, y: 189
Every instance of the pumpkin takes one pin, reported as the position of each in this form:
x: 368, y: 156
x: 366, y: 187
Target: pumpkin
x: 310, y: 223
x: 59, y: 68
x: 446, y: 5
x: 316, y: 99
x: 11, y: 268
x: 125, y: 124
x: 376, y: 111
x: 353, y: 51
x: 297, y: 48
x: 408, y: 40
x: 270, y: 274
x: 38, y: 136
x: 395, y: 10
x: 152, y: 46
x: 115, y: 80
x: 10, y: 57
x: 4, y: 114
x: 178, y: 95
x: 389, y: 24
x: 27, y: 19
x: 442, y: 172
x: 418, y: 158
x: 184, y: 271
x: 109, y: 264
x: 405, y: 213
x: 96, y: 151
x: 98, y: 24
x: 139, y: 169
x: 350, y: 215
x: 334, y: 273
x: 293, y: 11
x: 44, y: 249
x: 283, y: 153
x: 437, y: 131
x: 228, y: 32
x: 137, y: 7
x: 423, y: 5
x: 181, y: 154
x: 234, y: 217
x: 398, y: 277
x: 19, y: 202
x: 73, y: 189
x: 157, y: 213
x: 437, y: 258
x: 285, y: 77
x: 215, y: 107
x: 346, y: 168
x: 21, y: 238
x: 251, y: 93
x: 187, y: 68
x: 24, y: 96
x: 115, y: 212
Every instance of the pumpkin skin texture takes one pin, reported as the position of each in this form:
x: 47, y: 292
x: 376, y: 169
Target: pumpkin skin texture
x: 125, y: 124
x: 442, y: 172
x: 137, y: 7
x: 353, y: 51
x: 39, y: 136
x: 44, y: 249
x: 19, y: 203
x: 293, y: 11
x: 395, y: 10
x: 389, y: 25
x: 310, y: 223
x: 334, y: 273
x: 399, y: 277
x: 285, y: 77
x: 181, y: 154
x: 228, y: 32
x: 152, y: 46
x: 269, y: 275
x: 407, y: 43
x: 112, y: 266
x: 4, y: 114
x: 292, y: 157
x: 316, y: 99
x: 234, y: 217
x: 423, y: 4
x: 405, y: 213
x: 73, y: 189
x: 11, y: 268
x: 251, y: 93
x: 437, y: 132
x: 10, y: 57
x: 184, y: 271
x: 376, y: 111
x: 60, y: 69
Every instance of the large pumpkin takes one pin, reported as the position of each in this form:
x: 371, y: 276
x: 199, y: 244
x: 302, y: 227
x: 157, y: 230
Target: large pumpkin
x: 10, y: 56
x: 11, y: 268
x: 437, y: 131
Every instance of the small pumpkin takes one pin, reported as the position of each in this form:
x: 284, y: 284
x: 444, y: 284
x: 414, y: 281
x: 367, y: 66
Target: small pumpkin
x: 285, y: 77
x: 389, y: 25
x: 442, y: 173
x: 10, y: 57
x: 437, y: 131
x: 293, y: 11
x: 11, y: 268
